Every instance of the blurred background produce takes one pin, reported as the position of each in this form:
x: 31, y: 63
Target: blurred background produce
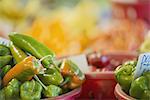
x: 78, y: 26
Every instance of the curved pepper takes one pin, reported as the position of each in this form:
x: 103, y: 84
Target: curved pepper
x: 32, y: 46
x: 140, y: 87
x: 124, y: 75
x: 51, y: 76
x: 4, y: 60
x: 30, y: 90
x: 4, y: 50
x: 5, y: 70
x: 17, y: 53
x: 24, y: 70
x: 68, y: 68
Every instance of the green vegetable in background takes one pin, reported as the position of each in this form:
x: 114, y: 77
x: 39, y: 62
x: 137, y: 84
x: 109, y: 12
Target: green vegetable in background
x: 51, y: 76
x: 30, y: 90
x: 5, y: 70
x: 17, y: 53
x: 4, y: 50
x: 52, y: 91
x: 4, y: 60
x: 124, y: 75
x: 32, y: 46
x: 12, y: 89
x: 140, y: 87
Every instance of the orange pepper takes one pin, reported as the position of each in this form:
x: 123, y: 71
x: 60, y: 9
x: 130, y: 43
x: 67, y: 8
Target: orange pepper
x: 23, y: 71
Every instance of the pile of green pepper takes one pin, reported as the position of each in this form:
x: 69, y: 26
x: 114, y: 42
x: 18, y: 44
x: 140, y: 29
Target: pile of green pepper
x: 138, y: 88
x: 28, y: 71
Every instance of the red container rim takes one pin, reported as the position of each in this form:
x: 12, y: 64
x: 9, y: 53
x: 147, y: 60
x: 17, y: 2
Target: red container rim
x: 121, y: 95
x: 100, y: 75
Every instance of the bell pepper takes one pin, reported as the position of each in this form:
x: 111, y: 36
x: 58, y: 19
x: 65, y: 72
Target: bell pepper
x: 4, y: 60
x: 17, y: 53
x: 140, y: 87
x: 51, y: 76
x: 23, y: 71
x: 12, y: 90
x: 32, y: 46
x: 125, y: 75
x: 5, y: 70
x: 68, y: 68
x: 4, y: 50
x: 30, y: 90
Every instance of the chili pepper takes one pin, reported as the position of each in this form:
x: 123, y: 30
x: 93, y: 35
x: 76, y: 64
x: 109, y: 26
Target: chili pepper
x: 51, y: 90
x: 4, y: 50
x: 51, y: 76
x: 125, y: 75
x: 17, y: 53
x: 32, y: 46
x: 68, y: 68
x: 5, y: 70
x: 24, y: 70
x: 30, y: 90
x: 4, y: 60
x: 140, y: 87
x: 12, y: 90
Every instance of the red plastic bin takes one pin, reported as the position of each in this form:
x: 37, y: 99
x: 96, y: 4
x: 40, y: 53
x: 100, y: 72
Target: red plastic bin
x: 100, y: 84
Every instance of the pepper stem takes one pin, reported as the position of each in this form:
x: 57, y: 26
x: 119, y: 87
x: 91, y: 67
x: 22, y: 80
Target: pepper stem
x: 37, y: 79
x: 51, y: 61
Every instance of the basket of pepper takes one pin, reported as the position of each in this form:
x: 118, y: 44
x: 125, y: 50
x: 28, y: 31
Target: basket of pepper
x: 128, y: 87
x: 29, y: 71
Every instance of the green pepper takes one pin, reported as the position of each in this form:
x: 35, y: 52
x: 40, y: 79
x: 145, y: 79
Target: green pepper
x: 70, y: 69
x: 5, y: 70
x: 30, y: 90
x: 4, y: 60
x: 12, y: 89
x: 52, y: 91
x: 140, y: 87
x: 4, y: 50
x: 17, y: 53
x: 51, y: 76
x: 2, y: 94
x: 32, y: 46
x: 125, y: 75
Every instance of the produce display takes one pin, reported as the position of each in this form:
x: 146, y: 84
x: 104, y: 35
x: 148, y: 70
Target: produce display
x: 29, y: 71
x: 137, y: 88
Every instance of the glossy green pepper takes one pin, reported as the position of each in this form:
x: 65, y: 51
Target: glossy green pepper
x: 5, y: 70
x: 51, y: 76
x: 30, y: 90
x: 140, y: 87
x: 4, y: 60
x: 52, y: 91
x: 125, y: 75
x: 4, y: 50
x: 32, y: 46
x: 12, y: 90
x: 17, y: 53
